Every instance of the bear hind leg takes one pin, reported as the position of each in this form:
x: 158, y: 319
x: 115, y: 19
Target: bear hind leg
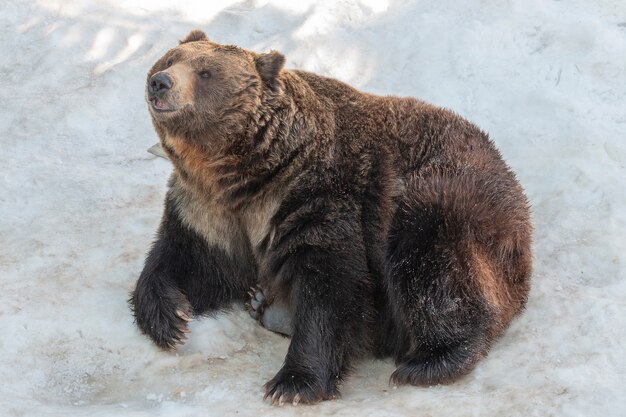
x: 445, y: 323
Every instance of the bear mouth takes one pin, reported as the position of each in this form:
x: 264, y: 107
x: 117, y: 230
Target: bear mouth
x: 160, y: 106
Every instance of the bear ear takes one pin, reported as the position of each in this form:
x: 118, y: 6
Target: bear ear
x: 269, y: 65
x: 194, y: 36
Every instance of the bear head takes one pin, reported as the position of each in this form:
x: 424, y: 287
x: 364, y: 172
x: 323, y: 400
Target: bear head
x: 203, y: 91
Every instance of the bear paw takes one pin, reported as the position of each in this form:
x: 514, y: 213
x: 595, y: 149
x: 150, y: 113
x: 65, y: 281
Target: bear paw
x: 162, y: 315
x: 273, y: 316
x: 295, y: 387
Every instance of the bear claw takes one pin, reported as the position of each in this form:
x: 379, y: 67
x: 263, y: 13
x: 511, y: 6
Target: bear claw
x: 183, y: 315
x: 295, y: 388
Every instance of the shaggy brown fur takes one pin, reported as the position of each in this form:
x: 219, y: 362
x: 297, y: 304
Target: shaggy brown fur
x: 383, y: 224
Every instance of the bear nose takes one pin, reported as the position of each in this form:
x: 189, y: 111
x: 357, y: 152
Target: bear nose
x: 160, y: 82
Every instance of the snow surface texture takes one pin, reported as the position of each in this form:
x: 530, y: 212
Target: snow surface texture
x: 81, y: 198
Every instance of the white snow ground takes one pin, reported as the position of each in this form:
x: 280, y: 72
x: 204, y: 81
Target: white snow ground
x: 80, y: 198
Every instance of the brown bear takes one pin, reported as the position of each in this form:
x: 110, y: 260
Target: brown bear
x: 380, y: 225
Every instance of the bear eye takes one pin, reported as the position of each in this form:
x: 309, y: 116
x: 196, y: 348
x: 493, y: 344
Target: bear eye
x: 205, y: 74
x: 169, y: 62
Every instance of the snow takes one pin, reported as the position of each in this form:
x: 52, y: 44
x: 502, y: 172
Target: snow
x: 81, y: 198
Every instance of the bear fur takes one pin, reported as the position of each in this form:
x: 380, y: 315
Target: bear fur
x: 383, y: 225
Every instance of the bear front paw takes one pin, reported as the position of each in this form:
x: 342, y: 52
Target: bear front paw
x: 295, y: 387
x: 162, y: 314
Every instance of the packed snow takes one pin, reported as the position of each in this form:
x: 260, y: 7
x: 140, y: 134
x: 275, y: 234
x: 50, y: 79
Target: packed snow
x: 80, y: 198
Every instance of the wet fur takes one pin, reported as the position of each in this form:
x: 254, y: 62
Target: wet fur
x: 387, y: 224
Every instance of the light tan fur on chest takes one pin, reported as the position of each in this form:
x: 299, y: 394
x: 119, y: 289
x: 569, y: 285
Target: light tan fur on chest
x: 200, y: 209
x: 222, y: 226
x: 211, y: 221
x: 256, y: 220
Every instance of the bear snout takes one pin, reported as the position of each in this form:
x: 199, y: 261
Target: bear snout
x: 159, y: 83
